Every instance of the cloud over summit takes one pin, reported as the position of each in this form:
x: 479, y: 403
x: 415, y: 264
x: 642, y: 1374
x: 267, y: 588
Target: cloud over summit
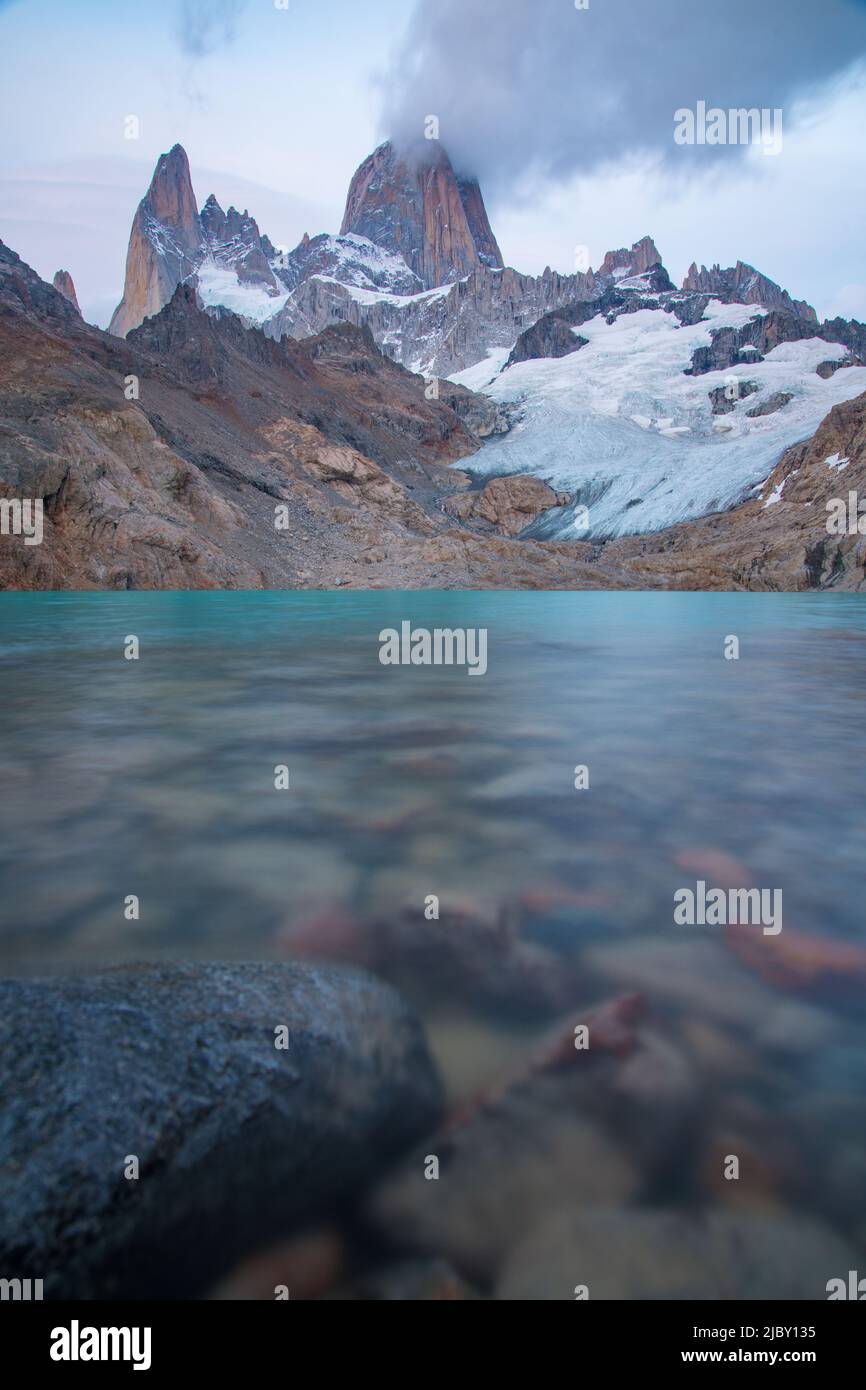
x: 538, y: 85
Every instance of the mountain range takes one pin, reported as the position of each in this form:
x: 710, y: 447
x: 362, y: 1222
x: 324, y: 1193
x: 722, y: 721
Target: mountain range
x: 613, y: 428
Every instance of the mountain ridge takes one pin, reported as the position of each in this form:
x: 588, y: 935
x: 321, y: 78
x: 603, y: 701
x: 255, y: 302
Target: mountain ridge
x: 416, y: 259
x: 178, y: 489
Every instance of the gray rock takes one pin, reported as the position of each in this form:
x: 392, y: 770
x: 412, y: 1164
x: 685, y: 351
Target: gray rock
x: 478, y: 412
x: 722, y: 405
x: 776, y: 401
x: 742, y: 284
x: 753, y: 340
x: 237, y: 1141
x: 436, y: 333
x: 829, y: 368
x: 629, y: 1254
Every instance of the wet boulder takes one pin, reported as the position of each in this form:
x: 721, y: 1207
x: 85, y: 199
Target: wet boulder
x: 160, y: 1122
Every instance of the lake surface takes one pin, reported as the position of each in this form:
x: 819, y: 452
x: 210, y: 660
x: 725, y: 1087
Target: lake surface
x: 155, y: 778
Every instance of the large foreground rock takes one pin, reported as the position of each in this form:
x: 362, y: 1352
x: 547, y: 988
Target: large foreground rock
x: 237, y: 1141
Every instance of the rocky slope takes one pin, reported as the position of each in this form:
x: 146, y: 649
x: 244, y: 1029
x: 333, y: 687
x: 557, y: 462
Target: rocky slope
x: 784, y: 538
x: 180, y: 486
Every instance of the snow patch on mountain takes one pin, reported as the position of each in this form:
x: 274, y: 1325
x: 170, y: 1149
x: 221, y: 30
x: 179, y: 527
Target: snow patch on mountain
x: 363, y: 264
x: 219, y: 286
x: 620, y: 426
x: 364, y: 295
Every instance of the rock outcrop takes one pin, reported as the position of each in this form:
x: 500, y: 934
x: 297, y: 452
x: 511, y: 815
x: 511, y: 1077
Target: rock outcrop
x: 350, y: 260
x: 745, y: 285
x: 730, y: 347
x: 507, y: 505
x: 626, y: 263
x: 170, y: 1122
x: 555, y: 334
x: 233, y: 240
x: 413, y: 204
x: 777, y: 400
x: 64, y: 285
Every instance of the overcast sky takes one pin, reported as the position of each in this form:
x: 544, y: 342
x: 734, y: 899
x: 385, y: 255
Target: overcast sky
x: 566, y: 116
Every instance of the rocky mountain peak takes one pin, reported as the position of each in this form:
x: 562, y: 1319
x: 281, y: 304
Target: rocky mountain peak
x: 63, y: 283
x: 412, y: 202
x: 171, y: 200
x: 213, y: 219
x: 165, y: 243
x: 745, y: 285
x: 641, y: 258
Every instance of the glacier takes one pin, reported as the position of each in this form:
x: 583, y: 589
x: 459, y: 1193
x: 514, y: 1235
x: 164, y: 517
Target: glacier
x: 619, y: 424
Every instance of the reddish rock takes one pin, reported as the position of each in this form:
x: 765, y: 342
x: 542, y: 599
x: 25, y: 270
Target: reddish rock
x: 507, y: 504
x: 164, y: 243
x: 718, y: 868
x: 611, y: 1030
x: 412, y: 203
x: 63, y: 283
x: 793, y: 960
x: 643, y: 256
x: 308, y: 1266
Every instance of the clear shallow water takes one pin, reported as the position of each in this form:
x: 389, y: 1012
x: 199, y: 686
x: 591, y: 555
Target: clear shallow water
x: 156, y: 778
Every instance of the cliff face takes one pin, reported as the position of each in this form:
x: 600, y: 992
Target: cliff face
x: 414, y: 205
x: 164, y: 245
x: 479, y: 223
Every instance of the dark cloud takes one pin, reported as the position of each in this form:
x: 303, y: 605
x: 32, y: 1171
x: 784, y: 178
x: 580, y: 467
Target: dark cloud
x: 539, y: 84
x: 206, y: 25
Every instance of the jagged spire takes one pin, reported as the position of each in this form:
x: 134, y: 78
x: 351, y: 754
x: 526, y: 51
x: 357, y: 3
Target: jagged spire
x: 414, y: 204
